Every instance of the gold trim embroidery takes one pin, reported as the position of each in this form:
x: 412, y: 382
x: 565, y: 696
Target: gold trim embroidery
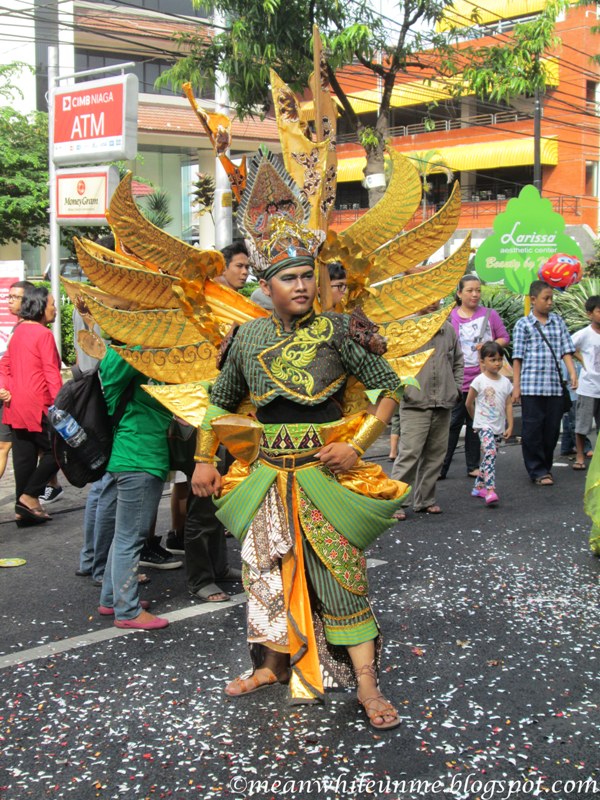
x: 297, y: 354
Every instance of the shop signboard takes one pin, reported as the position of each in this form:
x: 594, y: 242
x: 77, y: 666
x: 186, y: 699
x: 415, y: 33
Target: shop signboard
x: 525, y: 236
x: 95, y: 121
x: 83, y: 195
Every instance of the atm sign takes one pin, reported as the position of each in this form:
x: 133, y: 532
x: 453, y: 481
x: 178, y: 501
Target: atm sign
x: 93, y: 122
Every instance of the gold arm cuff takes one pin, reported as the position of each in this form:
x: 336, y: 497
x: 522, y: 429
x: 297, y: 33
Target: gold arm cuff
x: 207, y: 445
x: 368, y: 433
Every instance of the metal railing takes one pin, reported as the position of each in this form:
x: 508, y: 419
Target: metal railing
x: 487, y: 120
x: 570, y: 205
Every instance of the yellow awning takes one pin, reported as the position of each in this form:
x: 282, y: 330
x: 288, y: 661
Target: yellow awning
x: 463, y: 13
x: 413, y: 94
x: 470, y: 157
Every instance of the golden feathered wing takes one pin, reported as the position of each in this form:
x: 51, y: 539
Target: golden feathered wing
x: 158, y: 297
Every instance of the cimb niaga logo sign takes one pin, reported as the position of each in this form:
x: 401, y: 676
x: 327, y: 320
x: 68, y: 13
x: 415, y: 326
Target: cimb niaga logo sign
x: 95, y: 120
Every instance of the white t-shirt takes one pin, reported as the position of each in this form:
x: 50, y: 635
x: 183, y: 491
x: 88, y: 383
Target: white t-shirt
x: 587, y: 341
x: 490, y: 403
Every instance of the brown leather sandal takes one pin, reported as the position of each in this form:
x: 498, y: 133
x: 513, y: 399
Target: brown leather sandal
x: 380, y: 711
x: 252, y: 683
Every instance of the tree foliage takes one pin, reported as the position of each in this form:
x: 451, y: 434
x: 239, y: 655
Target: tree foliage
x: 9, y: 73
x: 261, y: 34
x: 23, y: 177
x: 500, y: 72
x: 157, y: 208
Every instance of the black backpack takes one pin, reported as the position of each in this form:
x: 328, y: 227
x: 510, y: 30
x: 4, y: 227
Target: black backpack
x: 83, y: 398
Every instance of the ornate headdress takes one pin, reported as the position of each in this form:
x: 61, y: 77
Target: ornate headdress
x: 274, y: 217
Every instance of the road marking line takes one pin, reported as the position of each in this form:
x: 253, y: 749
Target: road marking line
x: 74, y: 643
x: 87, y: 639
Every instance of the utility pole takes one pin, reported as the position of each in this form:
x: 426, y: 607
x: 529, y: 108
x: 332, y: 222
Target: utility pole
x: 222, y: 204
x: 537, y: 141
x: 53, y: 224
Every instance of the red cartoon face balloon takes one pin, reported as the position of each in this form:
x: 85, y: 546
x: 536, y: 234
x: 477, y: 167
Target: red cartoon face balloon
x: 560, y: 271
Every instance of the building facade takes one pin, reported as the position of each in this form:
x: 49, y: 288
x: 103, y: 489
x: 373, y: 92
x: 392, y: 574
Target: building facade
x: 490, y: 146
x: 172, y: 147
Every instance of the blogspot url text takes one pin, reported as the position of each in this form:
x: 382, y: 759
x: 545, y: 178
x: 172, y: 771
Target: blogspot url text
x: 460, y: 785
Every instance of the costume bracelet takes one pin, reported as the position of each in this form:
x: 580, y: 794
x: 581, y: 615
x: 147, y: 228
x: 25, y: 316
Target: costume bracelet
x: 207, y: 445
x: 368, y: 433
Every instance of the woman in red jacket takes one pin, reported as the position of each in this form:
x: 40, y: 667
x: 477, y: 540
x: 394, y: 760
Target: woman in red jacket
x: 29, y: 381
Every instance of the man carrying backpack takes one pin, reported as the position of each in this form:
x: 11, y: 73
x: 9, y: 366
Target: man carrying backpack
x: 138, y: 467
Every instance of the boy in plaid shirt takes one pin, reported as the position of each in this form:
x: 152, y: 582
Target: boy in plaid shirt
x: 537, y: 382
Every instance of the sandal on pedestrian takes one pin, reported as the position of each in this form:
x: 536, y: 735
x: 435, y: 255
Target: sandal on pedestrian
x: 399, y: 515
x: 30, y: 516
x: 211, y: 594
x: 474, y: 473
x: 241, y: 686
x: 579, y: 465
x: 545, y: 480
x: 435, y: 509
x: 376, y: 706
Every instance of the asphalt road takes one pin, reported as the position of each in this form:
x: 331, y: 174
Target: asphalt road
x: 490, y: 620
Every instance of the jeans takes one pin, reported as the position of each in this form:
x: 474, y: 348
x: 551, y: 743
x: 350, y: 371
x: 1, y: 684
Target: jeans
x: 86, y: 555
x: 137, y: 497
x: 459, y: 418
x: 104, y: 524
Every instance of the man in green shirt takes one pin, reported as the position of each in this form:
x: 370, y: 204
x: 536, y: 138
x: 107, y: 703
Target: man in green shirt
x: 138, y: 468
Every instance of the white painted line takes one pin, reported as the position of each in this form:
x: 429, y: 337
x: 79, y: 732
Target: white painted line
x: 63, y: 646
x: 87, y: 639
x: 375, y: 562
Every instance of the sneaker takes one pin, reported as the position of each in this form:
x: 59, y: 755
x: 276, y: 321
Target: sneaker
x: 174, y: 543
x: 51, y: 494
x: 491, y: 498
x: 478, y: 492
x: 154, y: 555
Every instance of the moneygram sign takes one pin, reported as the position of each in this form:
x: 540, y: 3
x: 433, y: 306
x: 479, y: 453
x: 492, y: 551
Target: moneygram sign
x: 95, y: 121
x: 83, y: 195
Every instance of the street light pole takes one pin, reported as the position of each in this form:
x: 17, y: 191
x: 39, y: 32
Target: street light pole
x: 222, y: 210
x: 54, y: 227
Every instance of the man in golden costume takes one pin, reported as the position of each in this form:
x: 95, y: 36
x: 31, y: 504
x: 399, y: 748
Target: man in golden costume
x: 306, y: 506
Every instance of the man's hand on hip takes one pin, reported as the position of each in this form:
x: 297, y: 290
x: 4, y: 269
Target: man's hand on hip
x: 338, y: 456
x: 206, y: 480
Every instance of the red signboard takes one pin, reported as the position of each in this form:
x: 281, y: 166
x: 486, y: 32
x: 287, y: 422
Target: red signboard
x: 95, y: 121
x: 89, y: 114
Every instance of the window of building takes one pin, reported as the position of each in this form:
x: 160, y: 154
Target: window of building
x: 351, y: 195
x: 591, y: 178
x: 592, y: 97
x: 183, y: 7
x: 146, y: 69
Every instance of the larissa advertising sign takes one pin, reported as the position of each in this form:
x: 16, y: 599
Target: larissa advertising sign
x: 95, y: 121
x: 525, y: 236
